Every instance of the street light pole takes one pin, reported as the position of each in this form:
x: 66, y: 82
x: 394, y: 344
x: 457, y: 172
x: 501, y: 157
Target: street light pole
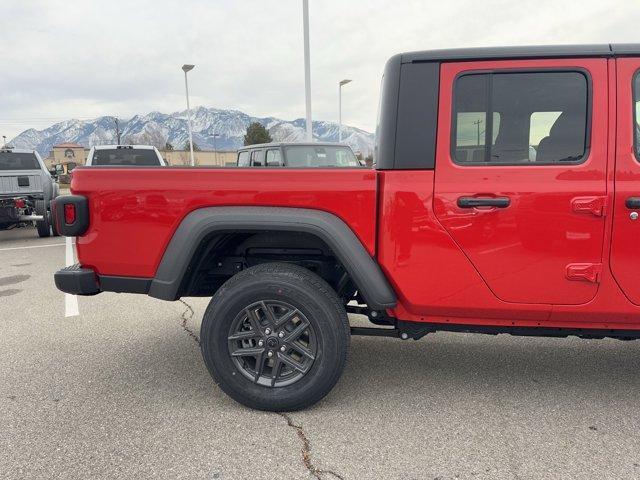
x: 187, y: 68
x: 115, y: 119
x: 342, y: 82
x: 215, y: 149
x: 307, y: 69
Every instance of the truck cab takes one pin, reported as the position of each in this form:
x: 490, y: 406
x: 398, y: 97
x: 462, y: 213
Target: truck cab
x: 298, y: 155
x: 125, y: 155
x: 505, y: 198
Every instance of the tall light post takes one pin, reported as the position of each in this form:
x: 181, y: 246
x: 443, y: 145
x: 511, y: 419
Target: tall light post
x: 187, y: 68
x: 342, y: 82
x: 307, y: 68
x: 215, y: 149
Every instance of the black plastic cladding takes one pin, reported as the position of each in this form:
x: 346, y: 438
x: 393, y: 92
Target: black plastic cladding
x: 195, y: 227
x: 406, y: 133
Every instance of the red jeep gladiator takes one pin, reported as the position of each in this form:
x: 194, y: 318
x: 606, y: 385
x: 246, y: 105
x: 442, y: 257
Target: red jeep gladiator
x: 504, y: 199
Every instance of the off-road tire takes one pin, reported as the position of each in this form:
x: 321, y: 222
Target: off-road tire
x: 307, y: 293
x: 44, y: 227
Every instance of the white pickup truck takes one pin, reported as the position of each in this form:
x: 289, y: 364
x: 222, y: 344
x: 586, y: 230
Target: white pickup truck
x: 125, y: 155
x: 26, y: 191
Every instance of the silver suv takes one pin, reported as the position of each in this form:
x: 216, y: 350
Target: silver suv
x: 26, y: 191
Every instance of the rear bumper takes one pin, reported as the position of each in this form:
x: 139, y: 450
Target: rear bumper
x: 83, y: 281
x: 77, y: 280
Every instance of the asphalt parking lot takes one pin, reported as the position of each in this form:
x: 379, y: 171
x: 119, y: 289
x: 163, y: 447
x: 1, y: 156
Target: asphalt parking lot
x: 120, y: 391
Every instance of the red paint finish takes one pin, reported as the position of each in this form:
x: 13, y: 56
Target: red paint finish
x: 134, y: 212
x: 429, y: 272
x: 522, y: 252
x: 625, y: 251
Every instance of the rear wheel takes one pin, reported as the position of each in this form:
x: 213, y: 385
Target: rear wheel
x: 275, y: 337
x: 44, y: 227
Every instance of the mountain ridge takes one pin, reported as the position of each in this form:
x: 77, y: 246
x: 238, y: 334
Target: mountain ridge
x: 223, y: 129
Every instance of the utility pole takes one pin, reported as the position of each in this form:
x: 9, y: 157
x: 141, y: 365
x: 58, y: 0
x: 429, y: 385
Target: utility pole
x: 342, y: 82
x: 307, y: 69
x: 215, y: 149
x: 115, y: 119
x: 478, y: 123
x: 187, y: 68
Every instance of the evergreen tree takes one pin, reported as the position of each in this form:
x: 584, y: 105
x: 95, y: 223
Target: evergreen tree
x: 256, y: 133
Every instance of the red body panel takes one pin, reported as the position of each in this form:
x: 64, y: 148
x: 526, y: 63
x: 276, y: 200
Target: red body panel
x: 522, y: 252
x: 625, y: 260
x: 134, y: 212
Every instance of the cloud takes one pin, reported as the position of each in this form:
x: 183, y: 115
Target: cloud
x: 66, y: 59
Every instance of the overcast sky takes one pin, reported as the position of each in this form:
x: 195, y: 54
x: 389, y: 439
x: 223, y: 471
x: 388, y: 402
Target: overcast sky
x: 63, y: 59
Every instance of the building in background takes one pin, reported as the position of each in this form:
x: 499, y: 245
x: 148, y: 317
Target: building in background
x: 218, y: 158
x: 70, y: 154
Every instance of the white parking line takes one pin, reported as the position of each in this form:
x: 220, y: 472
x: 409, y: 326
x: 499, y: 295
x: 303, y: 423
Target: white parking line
x: 70, y: 301
x: 32, y: 246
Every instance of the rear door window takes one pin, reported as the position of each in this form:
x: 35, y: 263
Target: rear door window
x: 18, y: 161
x: 257, y: 158
x: 274, y: 158
x: 520, y: 118
x: 243, y: 159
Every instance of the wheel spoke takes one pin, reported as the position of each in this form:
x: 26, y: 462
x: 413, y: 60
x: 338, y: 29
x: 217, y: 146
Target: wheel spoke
x: 285, y: 318
x: 271, y: 318
x: 247, y: 352
x: 275, y: 370
x: 259, y: 366
x: 292, y: 363
x: 254, y: 320
x: 304, y: 324
x: 244, y: 335
x: 303, y: 350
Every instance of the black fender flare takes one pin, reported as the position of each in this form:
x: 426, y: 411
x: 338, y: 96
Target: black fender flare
x: 362, y: 268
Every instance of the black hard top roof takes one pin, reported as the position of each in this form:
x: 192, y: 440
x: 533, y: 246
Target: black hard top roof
x: 540, y: 51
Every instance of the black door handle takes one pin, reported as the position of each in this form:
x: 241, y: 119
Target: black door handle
x: 473, y: 202
x: 633, y: 203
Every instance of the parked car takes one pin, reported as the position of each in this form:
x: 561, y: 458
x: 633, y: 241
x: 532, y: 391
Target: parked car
x: 322, y: 155
x: 26, y: 191
x: 433, y: 238
x: 125, y: 155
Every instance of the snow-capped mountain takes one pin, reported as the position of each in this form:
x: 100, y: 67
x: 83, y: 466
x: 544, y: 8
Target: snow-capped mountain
x: 212, y: 127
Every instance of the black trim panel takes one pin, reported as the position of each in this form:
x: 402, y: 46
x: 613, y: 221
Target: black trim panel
x: 417, y: 121
x: 200, y: 223
x: 116, y: 284
x: 81, y: 223
x: 541, y: 331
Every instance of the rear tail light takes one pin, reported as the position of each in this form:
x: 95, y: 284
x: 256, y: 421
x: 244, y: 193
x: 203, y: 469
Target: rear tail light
x: 69, y: 213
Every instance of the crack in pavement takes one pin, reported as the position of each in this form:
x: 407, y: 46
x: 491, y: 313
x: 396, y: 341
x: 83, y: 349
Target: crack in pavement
x: 185, y: 319
x: 306, y: 444
x: 306, y: 451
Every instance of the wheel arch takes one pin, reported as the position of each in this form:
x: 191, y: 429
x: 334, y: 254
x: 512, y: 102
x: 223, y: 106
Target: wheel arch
x: 203, y: 222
